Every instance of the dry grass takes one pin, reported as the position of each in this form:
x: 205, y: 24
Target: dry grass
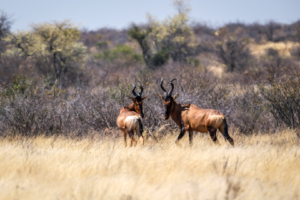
x: 217, y: 70
x: 258, y: 167
x: 283, y: 48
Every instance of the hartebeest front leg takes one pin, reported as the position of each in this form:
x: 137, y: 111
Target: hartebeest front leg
x: 141, y: 138
x: 182, y: 132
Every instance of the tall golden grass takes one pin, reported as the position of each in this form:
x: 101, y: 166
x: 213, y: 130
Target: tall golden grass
x: 264, y: 166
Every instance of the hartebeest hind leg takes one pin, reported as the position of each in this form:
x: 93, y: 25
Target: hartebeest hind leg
x: 141, y: 138
x: 132, y: 139
x: 191, y: 137
x: 139, y: 134
x: 224, y: 130
x: 213, y: 134
x: 125, y: 136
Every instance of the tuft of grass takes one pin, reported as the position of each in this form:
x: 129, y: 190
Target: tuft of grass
x: 264, y: 166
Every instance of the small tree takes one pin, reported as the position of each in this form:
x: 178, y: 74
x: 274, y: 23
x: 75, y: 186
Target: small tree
x: 56, y: 42
x: 5, y: 25
x: 60, y: 40
x: 140, y: 36
x: 172, y: 37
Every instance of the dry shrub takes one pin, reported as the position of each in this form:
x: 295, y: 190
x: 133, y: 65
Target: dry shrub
x: 283, y: 100
x: 97, y: 111
x: 33, y: 107
x: 234, y: 53
x: 248, y: 114
x: 296, y: 52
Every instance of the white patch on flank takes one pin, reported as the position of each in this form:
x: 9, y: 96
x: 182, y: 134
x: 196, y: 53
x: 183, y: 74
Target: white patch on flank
x: 132, y: 122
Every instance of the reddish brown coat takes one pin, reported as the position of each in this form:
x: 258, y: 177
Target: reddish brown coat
x: 129, y: 119
x: 192, y: 118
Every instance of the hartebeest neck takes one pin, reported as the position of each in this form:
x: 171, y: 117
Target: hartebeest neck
x: 131, y: 107
x: 176, y: 113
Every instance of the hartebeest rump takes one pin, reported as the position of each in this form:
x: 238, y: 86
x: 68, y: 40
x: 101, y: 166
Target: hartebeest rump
x: 192, y: 118
x: 129, y: 119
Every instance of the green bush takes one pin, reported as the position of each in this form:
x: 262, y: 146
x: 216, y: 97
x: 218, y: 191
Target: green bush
x: 160, y: 58
x: 101, y: 45
x: 121, y: 52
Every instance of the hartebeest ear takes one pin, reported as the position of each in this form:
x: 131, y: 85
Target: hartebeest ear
x: 160, y: 96
x: 175, y: 97
x: 133, y: 99
x: 144, y: 97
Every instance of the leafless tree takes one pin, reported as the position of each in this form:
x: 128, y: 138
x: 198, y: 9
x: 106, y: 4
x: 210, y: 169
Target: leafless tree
x: 269, y: 30
x: 234, y: 53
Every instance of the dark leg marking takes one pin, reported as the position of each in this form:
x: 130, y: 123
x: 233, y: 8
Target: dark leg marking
x: 140, y: 131
x: 213, y: 133
x: 224, y: 131
x: 182, y: 132
x: 191, y: 137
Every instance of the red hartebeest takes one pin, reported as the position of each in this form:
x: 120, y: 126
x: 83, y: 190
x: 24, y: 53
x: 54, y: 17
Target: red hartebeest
x: 129, y: 119
x: 192, y: 118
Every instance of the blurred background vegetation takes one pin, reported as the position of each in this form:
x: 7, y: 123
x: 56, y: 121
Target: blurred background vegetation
x: 58, y: 79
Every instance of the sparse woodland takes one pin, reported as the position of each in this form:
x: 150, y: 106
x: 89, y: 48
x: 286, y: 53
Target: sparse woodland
x: 61, y: 87
x: 59, y: 80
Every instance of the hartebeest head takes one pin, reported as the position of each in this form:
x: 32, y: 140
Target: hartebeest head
x: 138, y: 99
x: 168, y: 99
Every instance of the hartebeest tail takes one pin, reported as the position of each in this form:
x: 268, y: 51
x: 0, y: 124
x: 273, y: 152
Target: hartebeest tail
x: 129, y: 119
x: 192, y: 118
x: 134, y: 124
x: 226, y: 135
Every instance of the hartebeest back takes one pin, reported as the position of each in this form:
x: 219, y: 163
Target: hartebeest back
x: 129, y: 119
x: 192, y: 118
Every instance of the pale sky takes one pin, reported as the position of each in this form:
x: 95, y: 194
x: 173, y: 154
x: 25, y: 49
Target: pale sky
x: 94, y: 14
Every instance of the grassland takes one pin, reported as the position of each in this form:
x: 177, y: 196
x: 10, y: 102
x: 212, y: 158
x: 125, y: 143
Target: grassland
x: 258, y: 167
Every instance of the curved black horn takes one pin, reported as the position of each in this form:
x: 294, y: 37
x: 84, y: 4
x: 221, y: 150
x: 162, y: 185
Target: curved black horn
x: 172, y: 85
x: 141, y: 87
x: 162, y: 87
x: 133, y: 90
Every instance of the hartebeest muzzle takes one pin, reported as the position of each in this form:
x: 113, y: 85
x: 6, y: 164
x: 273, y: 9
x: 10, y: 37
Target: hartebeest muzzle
x: 166, y: 115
